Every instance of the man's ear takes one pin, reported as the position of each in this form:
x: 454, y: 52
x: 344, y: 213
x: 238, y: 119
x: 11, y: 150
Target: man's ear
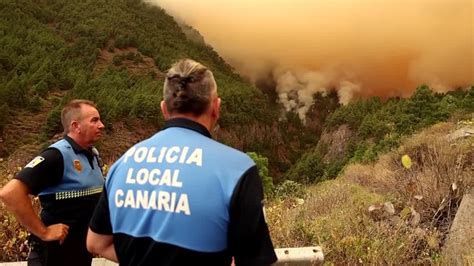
x: 164, y: 110
x: 216, y: 108
x: 74, y: 126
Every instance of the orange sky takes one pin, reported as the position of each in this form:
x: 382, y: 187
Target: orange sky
x: 382, y: 47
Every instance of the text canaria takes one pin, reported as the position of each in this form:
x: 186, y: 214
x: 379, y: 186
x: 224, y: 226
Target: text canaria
x: 161, y: 200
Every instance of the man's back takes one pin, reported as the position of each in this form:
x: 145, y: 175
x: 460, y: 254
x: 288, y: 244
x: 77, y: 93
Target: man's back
x: 173, y: 183
x: 171, y: 198
x: 181, y: 198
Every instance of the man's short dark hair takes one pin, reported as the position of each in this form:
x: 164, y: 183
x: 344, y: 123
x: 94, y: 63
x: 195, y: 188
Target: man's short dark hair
x: 71, y: 111
x: 188, y: 88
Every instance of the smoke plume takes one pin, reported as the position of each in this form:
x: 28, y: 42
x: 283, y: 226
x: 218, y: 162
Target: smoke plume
x: 359, y: 47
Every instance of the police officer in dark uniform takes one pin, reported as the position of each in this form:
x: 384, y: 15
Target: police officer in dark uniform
x: 67, y: 178
x: 180, y: 197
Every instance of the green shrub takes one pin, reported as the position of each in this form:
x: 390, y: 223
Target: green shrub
x: 467, y: 102
x: 353, y: 113
x: 147, y: 107
x: 35, y: 104
x: 41, y: 89
x: 53, y: 122
x: 262, y: 165
x: 308, y: 169
x: 117, y: 60
x: 289, y: 189
x: 4, y: 110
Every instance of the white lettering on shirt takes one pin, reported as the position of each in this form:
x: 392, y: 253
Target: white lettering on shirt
x: 160, y: 200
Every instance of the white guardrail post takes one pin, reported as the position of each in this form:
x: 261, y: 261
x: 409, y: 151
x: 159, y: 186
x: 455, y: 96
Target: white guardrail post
x: 299, y: 256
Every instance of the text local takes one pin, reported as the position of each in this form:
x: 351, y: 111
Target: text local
x: 154, y: 177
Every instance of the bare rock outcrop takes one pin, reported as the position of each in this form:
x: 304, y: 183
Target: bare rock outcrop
x: 459, y: 246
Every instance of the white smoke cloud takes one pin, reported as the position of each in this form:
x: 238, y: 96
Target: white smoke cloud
x: 296, y: 89
x: 362, y: 47
x: 347, y: 90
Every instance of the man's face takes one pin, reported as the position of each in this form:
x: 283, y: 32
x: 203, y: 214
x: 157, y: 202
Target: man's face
x: 90, y: 124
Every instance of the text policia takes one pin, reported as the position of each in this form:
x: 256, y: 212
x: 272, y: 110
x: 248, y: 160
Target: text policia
x: 151, y: 199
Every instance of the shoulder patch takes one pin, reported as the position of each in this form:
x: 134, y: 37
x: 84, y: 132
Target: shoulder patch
x: 37, y: 160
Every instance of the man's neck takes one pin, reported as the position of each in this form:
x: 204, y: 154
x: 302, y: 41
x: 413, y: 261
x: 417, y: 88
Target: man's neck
x: 203, y: 120
x: 77, y: 139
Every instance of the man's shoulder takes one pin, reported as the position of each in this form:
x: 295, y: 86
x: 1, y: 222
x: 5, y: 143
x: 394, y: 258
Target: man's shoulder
x: 51, y: 153
x: 43, y: 170
x: 230, y: 154
x: 60, y: 144
x: 229, y: 149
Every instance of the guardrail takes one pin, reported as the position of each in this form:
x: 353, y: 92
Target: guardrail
x: 286, y: 257
x: 299, y: 256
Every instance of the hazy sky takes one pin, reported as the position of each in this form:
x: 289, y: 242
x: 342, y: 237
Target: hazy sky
x: 367, y: 47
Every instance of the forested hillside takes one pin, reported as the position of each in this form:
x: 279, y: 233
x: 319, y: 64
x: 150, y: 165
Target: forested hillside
x: 115, y: 53
x: 55, y: 45
x: 362, y: 130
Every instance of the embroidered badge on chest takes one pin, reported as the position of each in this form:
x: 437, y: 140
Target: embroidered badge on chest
x: 77, y: 165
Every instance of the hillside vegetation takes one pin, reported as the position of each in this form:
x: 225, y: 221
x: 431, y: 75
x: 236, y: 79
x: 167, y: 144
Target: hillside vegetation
x: 383, y: 213
x: 54, y: 45
x: 363, y: 129
x: 116, y: 53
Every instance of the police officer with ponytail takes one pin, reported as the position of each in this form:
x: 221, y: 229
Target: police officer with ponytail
x: 67, y: 178
x: 180, y: 197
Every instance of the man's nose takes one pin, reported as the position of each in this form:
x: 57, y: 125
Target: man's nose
x: 101, y: 125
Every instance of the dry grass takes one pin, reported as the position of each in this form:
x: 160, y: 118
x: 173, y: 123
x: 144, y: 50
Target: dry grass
x: 438, y: 166
x: 335, y: 214
x: 335, y: 217
x: 13, y: 238
x: 12, y: 234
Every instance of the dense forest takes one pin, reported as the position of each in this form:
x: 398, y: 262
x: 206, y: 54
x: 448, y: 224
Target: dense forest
x: 115, y: 53
x: 55, y: 45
